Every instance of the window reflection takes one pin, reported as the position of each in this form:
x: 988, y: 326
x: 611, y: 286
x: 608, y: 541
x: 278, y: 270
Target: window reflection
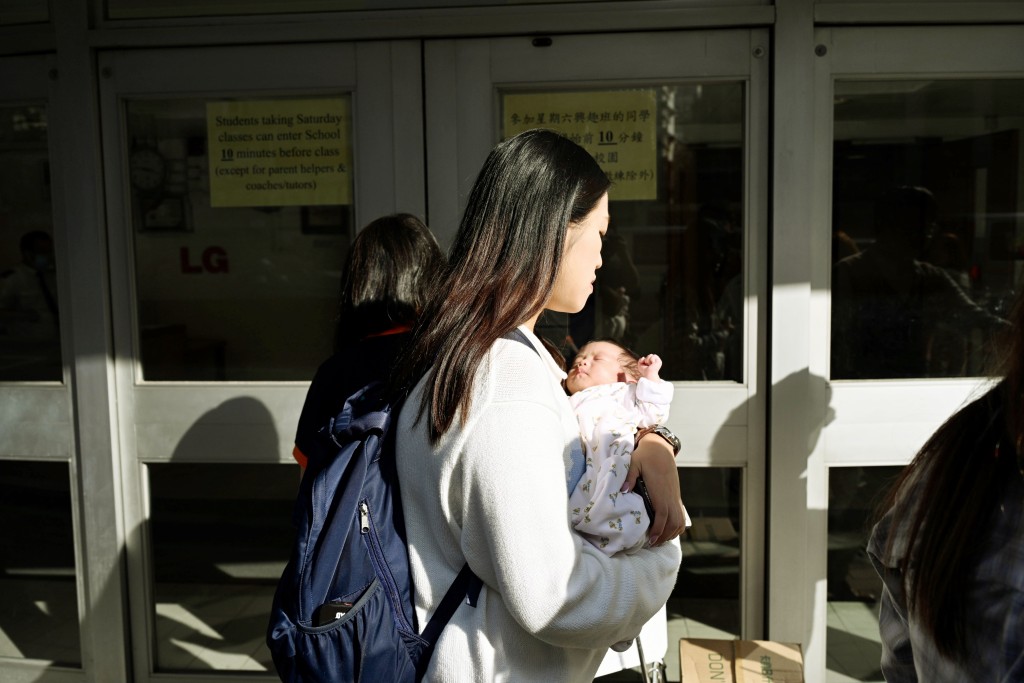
x: 220, y: 538
x: 706, y: 597
x: 225, y: 277
x: 38, y: 592
x: 24, y: 12
x: 29, y: 328
x: 926, y: 225
x: 853, y: 644
x: 672, y: 280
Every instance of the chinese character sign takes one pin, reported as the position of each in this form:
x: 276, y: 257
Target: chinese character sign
x: 618, y: 127
x: 280, y: 152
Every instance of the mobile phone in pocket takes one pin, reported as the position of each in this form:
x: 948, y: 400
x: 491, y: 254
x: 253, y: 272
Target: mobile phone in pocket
x: 330, y: 612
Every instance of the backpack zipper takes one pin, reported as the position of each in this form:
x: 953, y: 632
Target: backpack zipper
x: 364, y: 518
x: 381, y: 565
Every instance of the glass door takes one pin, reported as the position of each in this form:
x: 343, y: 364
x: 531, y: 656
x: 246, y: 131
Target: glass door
x: 234, y: 188
x: 678, y: 121
x: 917, y: 235
x: 41, y: 596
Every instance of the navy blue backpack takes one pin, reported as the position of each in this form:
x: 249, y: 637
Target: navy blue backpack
x: 343, y: 609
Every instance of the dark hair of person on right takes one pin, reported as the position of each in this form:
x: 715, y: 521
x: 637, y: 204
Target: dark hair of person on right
x: 502, y: 265
x: 955, y: 506
x: 385, y: 277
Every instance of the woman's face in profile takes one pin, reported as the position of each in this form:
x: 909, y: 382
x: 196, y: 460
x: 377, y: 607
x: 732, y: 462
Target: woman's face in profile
x: 575, y: 280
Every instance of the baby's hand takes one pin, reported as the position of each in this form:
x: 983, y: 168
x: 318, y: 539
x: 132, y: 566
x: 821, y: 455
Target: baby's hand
x: 649, y: 367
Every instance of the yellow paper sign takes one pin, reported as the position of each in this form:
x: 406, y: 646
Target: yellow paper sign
x: 617, y: 127
x: 280, y: 152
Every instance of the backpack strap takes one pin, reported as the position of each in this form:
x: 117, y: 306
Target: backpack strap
x: 519, y: 336
x: 466, y: 584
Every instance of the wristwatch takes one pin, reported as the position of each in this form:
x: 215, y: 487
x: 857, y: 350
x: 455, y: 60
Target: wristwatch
x: 663, y: 432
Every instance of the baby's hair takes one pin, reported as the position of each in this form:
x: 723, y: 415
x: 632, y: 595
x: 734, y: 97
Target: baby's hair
x: 629, y: 359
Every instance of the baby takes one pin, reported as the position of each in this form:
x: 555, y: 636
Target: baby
x: 614, y: 393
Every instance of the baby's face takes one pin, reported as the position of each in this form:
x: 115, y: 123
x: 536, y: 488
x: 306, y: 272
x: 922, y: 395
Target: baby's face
x: 596, y: 363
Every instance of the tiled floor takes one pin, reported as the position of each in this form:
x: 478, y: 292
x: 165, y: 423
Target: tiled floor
x: 38, y: 617
x: 219, y: 629
x: 854, y: 648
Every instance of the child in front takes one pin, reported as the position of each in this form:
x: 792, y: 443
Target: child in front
x: 613, y: 393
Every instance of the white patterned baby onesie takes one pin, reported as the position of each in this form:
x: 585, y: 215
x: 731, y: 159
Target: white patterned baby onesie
x: 609, y: 416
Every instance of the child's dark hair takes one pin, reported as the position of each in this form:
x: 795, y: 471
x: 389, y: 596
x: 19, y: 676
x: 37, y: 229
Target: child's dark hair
x: 385, y: 277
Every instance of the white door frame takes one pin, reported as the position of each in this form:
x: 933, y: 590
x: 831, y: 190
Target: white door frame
x: 463, y: 78
x: 838, y: 423
x: 383, y: 78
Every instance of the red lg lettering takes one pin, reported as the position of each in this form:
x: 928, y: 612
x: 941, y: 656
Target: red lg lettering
x: 213, y: 260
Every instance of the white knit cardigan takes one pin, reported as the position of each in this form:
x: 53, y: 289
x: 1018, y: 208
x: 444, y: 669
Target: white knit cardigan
x: 493, y: 493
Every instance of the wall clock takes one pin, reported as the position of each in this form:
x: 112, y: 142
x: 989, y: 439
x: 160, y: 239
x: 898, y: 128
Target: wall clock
x: 146, y: 169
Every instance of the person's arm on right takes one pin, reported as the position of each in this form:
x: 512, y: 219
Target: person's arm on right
x: 897, y: 662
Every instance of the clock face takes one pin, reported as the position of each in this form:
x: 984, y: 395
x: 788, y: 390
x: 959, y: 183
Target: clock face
x: 146, y: 169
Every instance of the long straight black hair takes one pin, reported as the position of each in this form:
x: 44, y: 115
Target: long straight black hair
x: 502, y: 265
x: 385, y: 277
x: 958, y: 479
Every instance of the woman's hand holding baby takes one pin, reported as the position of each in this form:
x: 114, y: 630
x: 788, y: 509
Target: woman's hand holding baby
x: 655, y: 460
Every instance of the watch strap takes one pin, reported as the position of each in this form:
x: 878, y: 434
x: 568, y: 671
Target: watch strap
x: 663, y: 432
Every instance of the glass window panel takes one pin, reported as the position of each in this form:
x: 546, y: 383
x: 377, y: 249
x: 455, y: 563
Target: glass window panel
x: 38, y: 591
x: 220, y: 538
x: 927, y: 226
x: 227, y: 271
x: 672, y: 279
x: 853, y: 645
x: 705, y: 602
x: 29, y: 331
x: 14, y: 12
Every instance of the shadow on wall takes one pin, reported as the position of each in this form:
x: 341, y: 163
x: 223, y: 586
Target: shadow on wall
x: 793, y: 390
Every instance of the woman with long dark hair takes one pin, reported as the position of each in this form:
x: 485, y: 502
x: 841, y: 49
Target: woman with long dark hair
x: 950, y: 546
x: 384, y: 281
x: 488, y: 446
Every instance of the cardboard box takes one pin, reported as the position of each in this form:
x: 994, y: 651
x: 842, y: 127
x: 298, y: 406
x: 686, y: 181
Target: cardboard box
x: 704, y: 660
x: 761, y: 661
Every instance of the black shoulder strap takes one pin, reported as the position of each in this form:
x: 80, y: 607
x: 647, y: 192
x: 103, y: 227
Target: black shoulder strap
x: 520, y: 336
x: 466, y: 584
